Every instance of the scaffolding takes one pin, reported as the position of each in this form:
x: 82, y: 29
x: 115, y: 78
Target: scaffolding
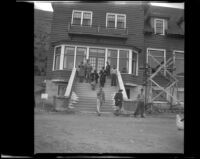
x: 164, y: 70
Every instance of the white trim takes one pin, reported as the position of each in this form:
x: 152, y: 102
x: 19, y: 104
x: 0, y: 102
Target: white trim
x: 130, y: 61
x: 163, y: 21
x: 54, y: 56
x: 118, y: 59
x: 137, y: 63
x: 115, y: 14
x: 106, y: 56
x: 62, y: 57
x: 82, y: 12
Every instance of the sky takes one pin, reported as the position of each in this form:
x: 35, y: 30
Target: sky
x: 47, y: 6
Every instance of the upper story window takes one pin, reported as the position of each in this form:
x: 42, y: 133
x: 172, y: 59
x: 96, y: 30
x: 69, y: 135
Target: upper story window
x: 83, y: 18
x: 159, y: 26
x: 116, y: 20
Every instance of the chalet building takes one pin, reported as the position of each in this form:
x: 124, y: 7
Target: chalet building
x: 132, y: 37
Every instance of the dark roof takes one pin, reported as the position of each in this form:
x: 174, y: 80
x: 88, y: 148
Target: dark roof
x: 173, y: 15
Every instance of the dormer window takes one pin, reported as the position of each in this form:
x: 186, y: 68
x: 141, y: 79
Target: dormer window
x: 83, y: 18
x: 159, y: 26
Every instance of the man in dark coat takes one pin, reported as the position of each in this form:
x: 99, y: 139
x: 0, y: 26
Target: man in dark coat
x: 102, y: 77
x: 119, y: 99
x: 108, y: 69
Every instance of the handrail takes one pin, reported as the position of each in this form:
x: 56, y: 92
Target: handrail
x: 70, y: 83
x: 121, y: 85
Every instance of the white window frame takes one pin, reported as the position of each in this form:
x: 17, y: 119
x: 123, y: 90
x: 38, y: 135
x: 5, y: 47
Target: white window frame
x: 174, y: 55
x: 164, y: 50
x: 55, y: 57
x: 82, y: 12
x: 137, y: 62
x: 87, y: 56
x: 163, y: 21
x: 115, y: 14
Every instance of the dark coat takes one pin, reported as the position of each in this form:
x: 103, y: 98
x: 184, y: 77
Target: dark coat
x: 118, y: 98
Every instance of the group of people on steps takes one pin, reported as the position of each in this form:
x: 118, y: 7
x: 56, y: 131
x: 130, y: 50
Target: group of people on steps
x: 90, y: 75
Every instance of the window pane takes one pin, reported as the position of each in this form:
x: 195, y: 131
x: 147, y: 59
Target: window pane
x: 93, y: 52
x: 123, y: 54
x: 80, y: 55
x: 121, y: 25
x: 87, y: 15
x: 77, y: 15
x: 179, y: 55
x: 120, y: 18
x: 61, y: 90
x: 111, y: 24
x: 86, y: 22
x: 123, y: 65
x: 159, y: 26
x: 111, y: 21
x: 179, y: 67
x: 112, y: 53
x: 112, y: 62
x: 69, y: 58
x: 58, y: 50
x: 180, y: 96
x: 57, y: 62
x: 134, y: 63
x: 76, y: 21
x: 156, y: 53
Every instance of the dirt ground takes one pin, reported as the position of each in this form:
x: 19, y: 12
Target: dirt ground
x: 88, y: 133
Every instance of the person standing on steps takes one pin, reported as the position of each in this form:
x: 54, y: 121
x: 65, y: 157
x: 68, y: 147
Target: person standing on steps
x: 108, y: 69
x: 113, y: 76
x: 102, y: 74
x: 140, y: 104
x: 100, y: 100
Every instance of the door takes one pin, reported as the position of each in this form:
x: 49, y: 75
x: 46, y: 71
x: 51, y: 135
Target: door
x: 97, y: 58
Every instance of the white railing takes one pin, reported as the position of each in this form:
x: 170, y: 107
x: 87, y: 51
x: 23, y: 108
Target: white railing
x: 70, y: 83
x: 121, y: 85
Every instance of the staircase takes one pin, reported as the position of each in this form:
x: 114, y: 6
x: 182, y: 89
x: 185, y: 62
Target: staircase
x: 87, y: 97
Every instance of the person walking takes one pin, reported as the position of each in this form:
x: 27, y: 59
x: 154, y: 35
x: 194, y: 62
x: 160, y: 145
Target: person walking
x: 140, y: 104
x: 102, y: 77
x: 118, y: 100
x: 92, y: 80
x: 107, y: 69
x: 113, y: 76
x: 100, y: 100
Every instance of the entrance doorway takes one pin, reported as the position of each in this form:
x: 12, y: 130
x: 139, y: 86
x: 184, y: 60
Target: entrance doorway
x: 97, y: 58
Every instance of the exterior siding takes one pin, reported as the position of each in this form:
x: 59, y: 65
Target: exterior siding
x: 166, y: 42
x: 136, y: 38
